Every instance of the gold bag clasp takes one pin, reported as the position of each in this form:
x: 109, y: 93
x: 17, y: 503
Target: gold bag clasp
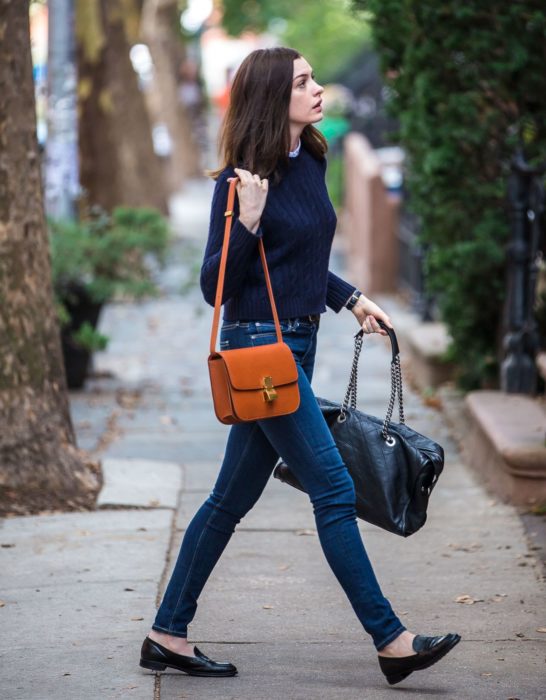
x: 269, y: 390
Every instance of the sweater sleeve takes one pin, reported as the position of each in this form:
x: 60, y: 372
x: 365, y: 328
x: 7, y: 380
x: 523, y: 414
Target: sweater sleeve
x: 242, y: 246
x: 338, y: 292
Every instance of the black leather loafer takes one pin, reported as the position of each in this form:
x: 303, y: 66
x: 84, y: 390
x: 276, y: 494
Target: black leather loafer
x: 156, y: 657
x: 429, y: 651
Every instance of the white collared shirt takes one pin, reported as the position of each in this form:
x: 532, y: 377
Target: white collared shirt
x: 295, y: 153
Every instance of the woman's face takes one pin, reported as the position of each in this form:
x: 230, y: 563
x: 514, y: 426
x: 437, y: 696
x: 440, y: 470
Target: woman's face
x: 305, y: 101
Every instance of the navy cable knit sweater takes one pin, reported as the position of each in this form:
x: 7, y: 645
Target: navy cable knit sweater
x: 297, y: 227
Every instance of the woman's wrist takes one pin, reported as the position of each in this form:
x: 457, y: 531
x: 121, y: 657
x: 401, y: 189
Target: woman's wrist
x: 353, y: 299
x: 362, y: 300
x: 250, y: 224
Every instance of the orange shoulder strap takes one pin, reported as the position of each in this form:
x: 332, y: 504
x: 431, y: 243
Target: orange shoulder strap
x: 221, y: 274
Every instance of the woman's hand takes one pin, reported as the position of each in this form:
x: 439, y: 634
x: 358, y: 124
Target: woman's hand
x: 252, y: 192
x: 367, y: 313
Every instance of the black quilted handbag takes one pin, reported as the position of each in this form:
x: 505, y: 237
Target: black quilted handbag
x: 394, y: 468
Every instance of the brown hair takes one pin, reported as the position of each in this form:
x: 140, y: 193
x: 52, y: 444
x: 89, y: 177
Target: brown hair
x: 255, y: 133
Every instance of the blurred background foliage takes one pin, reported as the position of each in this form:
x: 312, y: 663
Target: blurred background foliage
x: 313, y: 28
x: 468, y: 90
x: 110, y: 254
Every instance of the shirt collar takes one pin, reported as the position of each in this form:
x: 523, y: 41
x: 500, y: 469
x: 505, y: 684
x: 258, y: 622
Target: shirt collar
x: 295, y: 153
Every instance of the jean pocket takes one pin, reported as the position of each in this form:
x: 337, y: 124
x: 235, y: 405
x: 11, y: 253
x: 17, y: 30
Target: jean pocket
x: 268, y: 327
x: 230, y: 325
x: 262, y: 338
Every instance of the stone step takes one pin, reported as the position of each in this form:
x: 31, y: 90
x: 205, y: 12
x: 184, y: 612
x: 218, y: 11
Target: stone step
x: 506, y: 445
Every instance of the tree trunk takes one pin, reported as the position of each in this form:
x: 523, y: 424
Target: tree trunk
x: 118, y: 165
x: 159, y: 17
x: 40, y: 466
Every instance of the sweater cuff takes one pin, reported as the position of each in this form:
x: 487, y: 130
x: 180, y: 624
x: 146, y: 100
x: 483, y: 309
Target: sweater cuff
x: 338, y: 292
x: 237, y: 225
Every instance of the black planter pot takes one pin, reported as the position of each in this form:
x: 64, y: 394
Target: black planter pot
x: 81, y: 308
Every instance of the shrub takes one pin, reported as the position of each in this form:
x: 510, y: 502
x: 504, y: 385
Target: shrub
x: 467, y: 85
x: 104, y: 256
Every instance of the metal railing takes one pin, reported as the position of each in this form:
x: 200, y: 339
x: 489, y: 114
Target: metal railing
x: 518, y: 373
x: 411, y: 277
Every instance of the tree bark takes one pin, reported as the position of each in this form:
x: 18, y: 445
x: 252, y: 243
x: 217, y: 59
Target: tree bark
x: 118, y: 165
x: 159, y: 17
x: 40, y: 466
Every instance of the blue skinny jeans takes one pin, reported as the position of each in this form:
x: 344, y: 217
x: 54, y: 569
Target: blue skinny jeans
x: 304, y: 441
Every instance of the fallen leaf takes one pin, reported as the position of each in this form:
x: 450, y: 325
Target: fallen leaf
x: 137, y: 618
x: 541, y: 629
x: 486, y: 674
x: 267, y: 607
x: 433, y: 401
x: 467, y: 600
x: 472, y: 547
x: 3, y: 602
x: 520, y: 634
x: 306, y: 532
x: 128, y: 399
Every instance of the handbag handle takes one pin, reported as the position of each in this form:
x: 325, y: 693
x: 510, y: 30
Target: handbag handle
x: 396, y: 381
x: 221, y: 274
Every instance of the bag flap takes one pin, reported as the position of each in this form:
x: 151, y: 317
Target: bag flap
x: 247, y: 367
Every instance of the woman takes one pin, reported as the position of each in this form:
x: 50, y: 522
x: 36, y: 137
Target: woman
x: 268, y: 134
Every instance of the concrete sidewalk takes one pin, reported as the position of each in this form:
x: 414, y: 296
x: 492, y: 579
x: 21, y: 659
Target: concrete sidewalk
x: 80, y: 590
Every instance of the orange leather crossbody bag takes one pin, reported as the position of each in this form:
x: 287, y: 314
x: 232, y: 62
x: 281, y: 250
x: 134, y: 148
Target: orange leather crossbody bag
x: 250, y: 383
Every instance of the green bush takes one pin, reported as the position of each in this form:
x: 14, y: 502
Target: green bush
x: 108, y: 253
x: 334, y: 179
x: 105, y: 256
x: 88, y: 337
x: 468, y: 87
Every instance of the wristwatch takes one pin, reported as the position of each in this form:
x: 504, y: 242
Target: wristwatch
x: 355, y: 296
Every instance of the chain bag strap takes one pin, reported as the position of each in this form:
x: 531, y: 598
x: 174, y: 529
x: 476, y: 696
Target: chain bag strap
x: 396, y: 383
x: 393, y: 467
